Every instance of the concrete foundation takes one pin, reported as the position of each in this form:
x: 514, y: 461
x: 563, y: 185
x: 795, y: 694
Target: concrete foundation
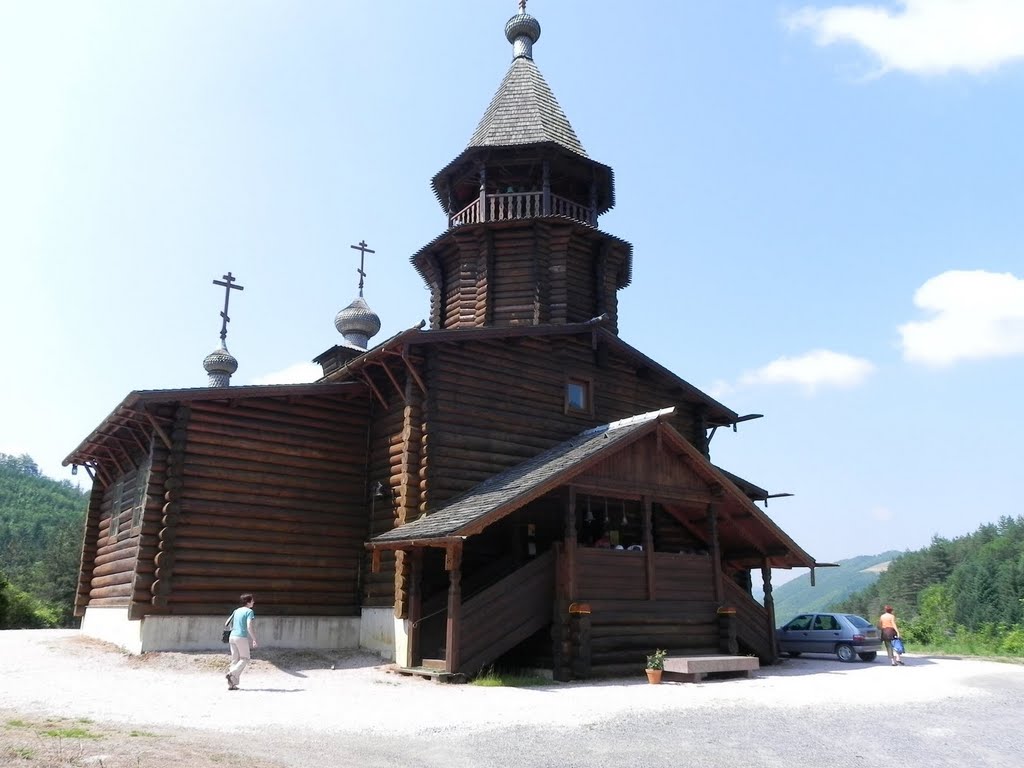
x: 202, y: 633
x: 377, y: 632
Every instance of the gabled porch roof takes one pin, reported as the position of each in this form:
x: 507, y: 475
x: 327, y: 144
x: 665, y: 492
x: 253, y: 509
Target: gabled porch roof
x: 741, y: 522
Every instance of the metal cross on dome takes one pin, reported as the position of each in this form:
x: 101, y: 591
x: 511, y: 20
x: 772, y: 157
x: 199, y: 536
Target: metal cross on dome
x: 363, y: 250
x: 228, y: 283
x: 522, y: 6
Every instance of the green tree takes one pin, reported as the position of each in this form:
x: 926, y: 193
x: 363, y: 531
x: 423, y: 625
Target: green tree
x: 41, y: 525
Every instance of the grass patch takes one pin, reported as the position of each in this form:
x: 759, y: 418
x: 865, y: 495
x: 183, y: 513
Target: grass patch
x: 71, y: 733
x: 142, y: 734
x: 17, y: 724
x: 509, y: 678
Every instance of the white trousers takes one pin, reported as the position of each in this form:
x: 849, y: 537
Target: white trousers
x: 239, y: 656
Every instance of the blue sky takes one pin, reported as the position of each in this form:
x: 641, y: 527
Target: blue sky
x: 824, y: 202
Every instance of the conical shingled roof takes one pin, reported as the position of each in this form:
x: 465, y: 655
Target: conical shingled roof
x: 525, y: 111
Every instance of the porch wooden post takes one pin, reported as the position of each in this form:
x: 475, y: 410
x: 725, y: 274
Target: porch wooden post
x: 716, y: 553
x: 649, y: 548
x: 769, y: 606
x: 565, y: 591
x: 453, y: 564
x: 570, y: 546
x: 414, y: 657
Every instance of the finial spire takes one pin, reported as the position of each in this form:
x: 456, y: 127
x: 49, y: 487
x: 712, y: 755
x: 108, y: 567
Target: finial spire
x: 228, y: 283
x: 363, y: 250
x: 220, y: 363
x: 522, y: 30
x: 357, y: 322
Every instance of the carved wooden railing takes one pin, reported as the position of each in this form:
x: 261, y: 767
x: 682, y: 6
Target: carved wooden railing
x: 509, y: 206
x: 752, y: 629
x: 507, y: 613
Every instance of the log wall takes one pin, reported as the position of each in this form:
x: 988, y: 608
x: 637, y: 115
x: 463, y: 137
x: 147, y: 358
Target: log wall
x: 267, y: 496
x: 494, y: 404
x: 533, y: 272
x: 625, y: 625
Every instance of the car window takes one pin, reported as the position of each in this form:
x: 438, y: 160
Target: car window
x: 858, y: 621
x: 800, y: 622
x: 825, y: 621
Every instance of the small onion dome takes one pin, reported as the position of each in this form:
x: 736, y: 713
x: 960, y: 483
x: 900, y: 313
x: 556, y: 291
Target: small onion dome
x: 522, y: 30
x: 220, y: 364
x: 357, y: 323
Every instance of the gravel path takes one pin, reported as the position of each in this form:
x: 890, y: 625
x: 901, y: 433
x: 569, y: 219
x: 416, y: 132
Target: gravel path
x: 295, y: 710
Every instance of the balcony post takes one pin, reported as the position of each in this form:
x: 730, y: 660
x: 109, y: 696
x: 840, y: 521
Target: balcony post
x: 592, y: 213
x: 483, y: 192
x: 546, y: 189
x: 450, y: 203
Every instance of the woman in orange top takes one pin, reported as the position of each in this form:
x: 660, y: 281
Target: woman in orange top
x: 887, y: 623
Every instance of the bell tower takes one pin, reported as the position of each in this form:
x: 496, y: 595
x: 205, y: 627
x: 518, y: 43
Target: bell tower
x: 522, y: 203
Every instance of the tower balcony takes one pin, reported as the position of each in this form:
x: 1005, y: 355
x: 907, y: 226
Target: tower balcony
x: 509, y: 206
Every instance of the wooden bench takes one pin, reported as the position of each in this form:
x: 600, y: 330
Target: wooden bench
x: 692, y: 669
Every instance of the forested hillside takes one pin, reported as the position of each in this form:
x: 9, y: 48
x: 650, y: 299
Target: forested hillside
x: 831, y: 585
x: 966, y: 592
x: 41, y: 523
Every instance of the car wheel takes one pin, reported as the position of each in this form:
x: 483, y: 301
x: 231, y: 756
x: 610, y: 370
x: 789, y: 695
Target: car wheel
x: 793, y: 654
x: 845, y: 652
x: 869, y: 656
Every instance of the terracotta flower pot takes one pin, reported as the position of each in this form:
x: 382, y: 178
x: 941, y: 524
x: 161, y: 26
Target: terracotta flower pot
x: 654, y: 676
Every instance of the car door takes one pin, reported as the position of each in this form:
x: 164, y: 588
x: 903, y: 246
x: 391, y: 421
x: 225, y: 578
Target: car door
x: 796, y: 634
x: 824, y: 634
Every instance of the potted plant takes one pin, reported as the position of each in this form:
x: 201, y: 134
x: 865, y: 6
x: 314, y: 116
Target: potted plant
x: 655, y: 665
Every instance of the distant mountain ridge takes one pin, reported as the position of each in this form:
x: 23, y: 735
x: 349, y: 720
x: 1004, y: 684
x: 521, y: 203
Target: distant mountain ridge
x: 832, y: 585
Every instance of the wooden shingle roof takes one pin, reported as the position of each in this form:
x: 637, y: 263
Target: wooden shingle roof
x: 525, y: 111
x: 523, y: 482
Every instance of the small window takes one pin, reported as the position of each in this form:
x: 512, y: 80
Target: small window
x: 115, y: 510
x: 141, y: 488
x: 578, y: 396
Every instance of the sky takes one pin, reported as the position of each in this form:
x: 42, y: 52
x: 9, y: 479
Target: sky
x: 824, y: 201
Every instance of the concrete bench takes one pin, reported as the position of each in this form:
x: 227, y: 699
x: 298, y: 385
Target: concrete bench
x: 692, y: 669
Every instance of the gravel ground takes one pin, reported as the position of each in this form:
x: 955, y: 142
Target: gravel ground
x: 301, y: 709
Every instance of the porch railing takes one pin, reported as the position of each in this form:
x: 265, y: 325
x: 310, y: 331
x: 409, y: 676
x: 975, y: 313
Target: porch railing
x: 508, y: 206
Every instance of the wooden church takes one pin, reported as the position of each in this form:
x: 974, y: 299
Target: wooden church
x: 512, y: 482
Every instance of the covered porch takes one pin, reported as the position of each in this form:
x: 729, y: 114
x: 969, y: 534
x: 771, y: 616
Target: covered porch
x: 589, y: 556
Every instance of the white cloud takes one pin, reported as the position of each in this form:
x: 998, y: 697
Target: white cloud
x: 300, y: 373
x: 814, y: 370
x: 924, y: 37
x: 975, y: 315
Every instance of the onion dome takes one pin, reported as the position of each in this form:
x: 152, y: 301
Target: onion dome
x: 522, y: 30
x: 219, y: 365
x: 357, y: 323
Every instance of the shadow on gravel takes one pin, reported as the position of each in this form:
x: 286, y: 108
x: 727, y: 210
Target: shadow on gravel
x: 291, y: 662
x: 809, y: 664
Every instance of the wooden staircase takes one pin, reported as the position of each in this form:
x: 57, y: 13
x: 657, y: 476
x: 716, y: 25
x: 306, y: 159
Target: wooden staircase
x: 752, y: 630
x: 503, y: 615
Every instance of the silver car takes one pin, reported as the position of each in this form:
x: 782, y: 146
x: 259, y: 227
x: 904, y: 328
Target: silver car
x: 844, y: 634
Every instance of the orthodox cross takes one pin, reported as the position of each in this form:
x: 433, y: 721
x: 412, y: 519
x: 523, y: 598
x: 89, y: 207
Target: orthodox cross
x: 227, y: 282
x: 522, y: 6
x: 363, y: 250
